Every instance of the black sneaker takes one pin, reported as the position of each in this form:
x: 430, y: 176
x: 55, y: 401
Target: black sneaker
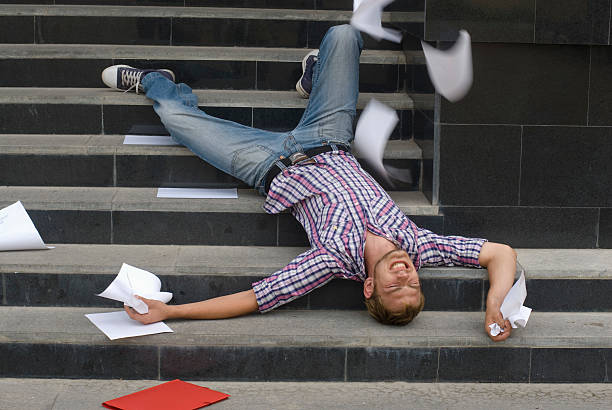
x: 126, y: 78
x: 304, y: 84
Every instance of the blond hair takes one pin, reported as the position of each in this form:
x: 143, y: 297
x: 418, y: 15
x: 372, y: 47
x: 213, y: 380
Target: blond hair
x: 378, y: 311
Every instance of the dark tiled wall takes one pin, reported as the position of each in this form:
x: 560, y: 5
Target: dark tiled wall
x: 521, y: 21
x: 525, y: 156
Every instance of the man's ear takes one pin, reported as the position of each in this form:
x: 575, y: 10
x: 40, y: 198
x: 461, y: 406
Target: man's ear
x: 368, y: 288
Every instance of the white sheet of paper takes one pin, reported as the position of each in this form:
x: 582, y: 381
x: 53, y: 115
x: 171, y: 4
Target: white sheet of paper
x: 367, y: 18
x: 374, y: 127
x: 356, y: 4
x: 450, y: 70
x: 131, y: 281
x: 512, y: 307
x: 148, y: 140
x: 197, y: 193
x: 117, y: 325
x: 17, y: 231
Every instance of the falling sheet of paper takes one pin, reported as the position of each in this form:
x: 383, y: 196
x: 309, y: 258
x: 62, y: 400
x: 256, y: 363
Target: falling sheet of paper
x: 512, y: 308
x: 374, y: 127
x: 450, y: 70
x: 131, y: 281
x: 367, y: 18
x: 197, y: 193
x: 17, y: 231
x: 117, y: 325
x: 148, y: 140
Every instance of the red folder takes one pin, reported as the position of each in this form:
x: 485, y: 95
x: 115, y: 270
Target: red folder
x: 174, y: 395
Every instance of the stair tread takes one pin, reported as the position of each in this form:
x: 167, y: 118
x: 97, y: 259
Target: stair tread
x: 37, y: 144
x: 216, y: 98
x: 272, y: 54
x: 321, y: 328
x: 145, y: 199
x: 199, y: 12
x: 263, y: 260
x: 85, y: 394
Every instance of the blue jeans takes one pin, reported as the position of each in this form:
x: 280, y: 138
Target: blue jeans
x: 248, y: 153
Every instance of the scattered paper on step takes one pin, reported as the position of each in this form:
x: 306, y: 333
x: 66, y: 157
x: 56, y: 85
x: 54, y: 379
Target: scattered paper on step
x: 131, y: 281
x: 374, y: 128
x: 368, y: 18
x: 512, y: 308
x: 450, y: 70
x: 117, y: 325
x: 17, y: 231
x: 149, y: 140
x: 215, y: 193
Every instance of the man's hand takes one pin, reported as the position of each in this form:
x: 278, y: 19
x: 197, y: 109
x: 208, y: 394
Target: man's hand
x: 493, y: 315
x: 500, y: 261
x: 158, y: 311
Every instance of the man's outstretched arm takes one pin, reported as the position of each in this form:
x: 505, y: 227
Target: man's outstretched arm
x: 223, y: 307
x: 500, y: 261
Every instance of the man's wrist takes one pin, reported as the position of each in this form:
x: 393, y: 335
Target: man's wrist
x: 173, y: 312
x: 494, y: 302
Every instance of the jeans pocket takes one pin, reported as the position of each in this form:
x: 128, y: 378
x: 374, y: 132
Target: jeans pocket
x: 249, y: 162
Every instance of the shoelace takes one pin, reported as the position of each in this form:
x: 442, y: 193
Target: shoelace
x: 131, y: 79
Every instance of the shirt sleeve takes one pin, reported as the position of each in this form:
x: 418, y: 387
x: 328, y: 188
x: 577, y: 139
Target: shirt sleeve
x: 439, y: 250
x: 308, y: 271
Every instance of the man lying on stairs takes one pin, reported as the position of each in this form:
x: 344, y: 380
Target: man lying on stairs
x: 355, y: 230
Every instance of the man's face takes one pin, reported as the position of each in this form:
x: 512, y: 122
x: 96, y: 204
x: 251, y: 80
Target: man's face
x: 397, y: 281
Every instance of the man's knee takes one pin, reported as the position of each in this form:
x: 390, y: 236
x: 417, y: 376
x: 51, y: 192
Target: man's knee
x: 345, y: 33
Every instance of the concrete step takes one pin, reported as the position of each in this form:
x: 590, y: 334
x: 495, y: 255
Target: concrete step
x: 137, y: 216
x: 70, y: 65
x: 95, y: 160
x: 309, y: 345
x: 189, y: 53
x: 184, y: 26
x: 65, y: 394
x: 404, y: 5
x: 71, y: 274
x: 105, y: 111
x: 214, y: 98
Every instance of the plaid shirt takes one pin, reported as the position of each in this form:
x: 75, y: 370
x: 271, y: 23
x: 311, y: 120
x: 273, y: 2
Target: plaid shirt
x: 336, y: 201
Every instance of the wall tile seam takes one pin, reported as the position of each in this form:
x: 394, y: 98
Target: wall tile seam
x: 597, y: 228
x: 464, y: 124
x: 588, y: 96
x: 520, y: 168
x: 609, y: 22
x: 535, y: 18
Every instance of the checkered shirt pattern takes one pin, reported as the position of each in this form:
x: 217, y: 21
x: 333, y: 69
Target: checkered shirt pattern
x: 336, y: 201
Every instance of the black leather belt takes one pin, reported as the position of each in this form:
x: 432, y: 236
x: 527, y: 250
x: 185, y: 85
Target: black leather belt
x: 299, y: 157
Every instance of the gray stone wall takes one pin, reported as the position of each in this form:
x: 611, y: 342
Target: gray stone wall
x: 525, y: 158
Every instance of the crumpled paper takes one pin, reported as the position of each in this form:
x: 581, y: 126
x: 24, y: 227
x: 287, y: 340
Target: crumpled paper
x: 512, y: 308
x: 132, y: 281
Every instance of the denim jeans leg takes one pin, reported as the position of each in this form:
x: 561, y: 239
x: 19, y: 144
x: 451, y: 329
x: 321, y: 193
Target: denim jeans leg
x: 331, y: 110
x: 243, y: 152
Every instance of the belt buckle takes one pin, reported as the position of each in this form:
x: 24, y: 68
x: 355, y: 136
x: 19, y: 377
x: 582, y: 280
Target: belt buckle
x: 297, y: 157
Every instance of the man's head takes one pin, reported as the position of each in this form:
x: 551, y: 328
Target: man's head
x: 393, y: 291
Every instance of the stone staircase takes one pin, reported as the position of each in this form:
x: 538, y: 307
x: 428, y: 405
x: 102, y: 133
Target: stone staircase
x: 62, y: 155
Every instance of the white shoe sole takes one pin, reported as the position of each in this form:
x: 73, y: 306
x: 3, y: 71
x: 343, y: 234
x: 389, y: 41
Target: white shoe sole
x: 298, y: 86
x: 109, y: 75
